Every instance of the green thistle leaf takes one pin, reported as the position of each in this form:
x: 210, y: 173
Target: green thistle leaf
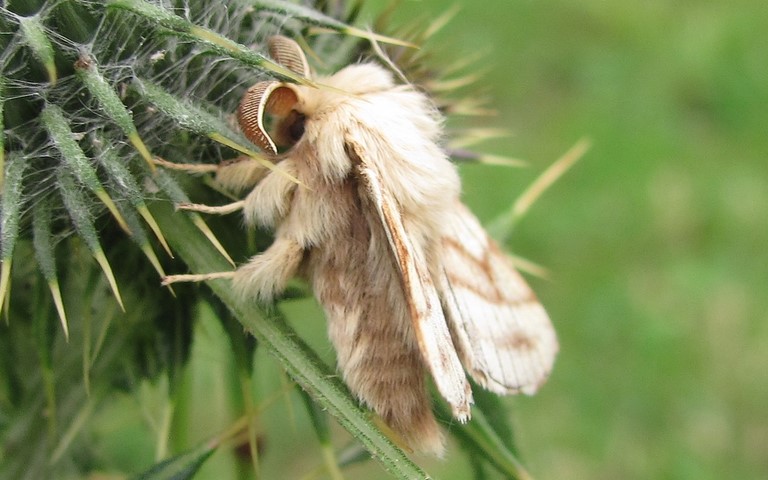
x: 126, y: 85
x: 9, y: 219
x: 37, y: 39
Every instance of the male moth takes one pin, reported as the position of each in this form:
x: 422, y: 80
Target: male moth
x: 409, y: 280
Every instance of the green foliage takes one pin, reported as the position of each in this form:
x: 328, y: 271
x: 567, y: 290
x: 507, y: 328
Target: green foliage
x: 655, y: 241
x: 91, y: 93
x: 180, y: 467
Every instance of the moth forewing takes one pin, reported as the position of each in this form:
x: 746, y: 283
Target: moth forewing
x: 505, y: 338
x: 427, y: 317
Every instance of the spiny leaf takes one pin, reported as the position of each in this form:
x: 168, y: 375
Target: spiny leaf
x: 313, y: 17
x: 353, y: 454
x: 44, y: 253
x: 159, y: 16
x: 125, y: 182
x: 177, y: 196
x: 77, y: 424
x: 502, y: 227
x: 140, y: 238
x: 35, y: 37
x: 496, y: 416
x: 480, y: 440
x: 9, y: 218
x: 54, y: 121
x: 78, y: 212
x: 105, y: 94
x: 44, y: 342
x: 529, y: 267
x: 447, y: 84
x: 470, y: 156
x: 548, y: 177
x: 305, y: 14
x: 474, y: 106
x: 500, y: 160
x: 180, y: 467
x: 319, y: 419
x: 144, y: 212
x: 466, y: 137
x: 441, y: 21
x: 78, y: 19
x: 2, y: 133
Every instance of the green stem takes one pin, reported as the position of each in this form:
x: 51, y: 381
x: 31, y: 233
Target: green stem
x: 166, y: 19
x: 480, y: 440
x: 296, y: 357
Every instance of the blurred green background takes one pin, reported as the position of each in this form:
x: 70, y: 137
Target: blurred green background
x: 655, y: 242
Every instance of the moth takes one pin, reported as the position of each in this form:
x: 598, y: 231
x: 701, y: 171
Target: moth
x: 411, y: 284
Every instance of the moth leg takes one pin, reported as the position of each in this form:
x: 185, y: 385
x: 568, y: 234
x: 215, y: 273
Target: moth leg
x: 263, y: 277
x: 200, y: 277
x: 233, y: 175
x: 186, y: 167
x: 199, y: 168
x: 214, y: 210
x: 266, y: 274
x: 270, y: 200
x: 240, y: 174
x: 265, y: 205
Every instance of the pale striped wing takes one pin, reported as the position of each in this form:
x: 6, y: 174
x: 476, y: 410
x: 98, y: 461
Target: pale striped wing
x: 504, y: 337
x: 429, y: 324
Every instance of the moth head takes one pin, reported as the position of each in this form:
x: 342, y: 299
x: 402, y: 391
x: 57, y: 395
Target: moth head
x: 279, y: 101
x: 288, y: 106
x: 276, y: 99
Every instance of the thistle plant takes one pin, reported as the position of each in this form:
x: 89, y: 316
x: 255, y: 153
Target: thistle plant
x: 98, y: 99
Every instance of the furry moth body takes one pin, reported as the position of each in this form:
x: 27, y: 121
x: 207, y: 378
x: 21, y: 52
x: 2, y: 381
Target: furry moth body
x: 410, y: 282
